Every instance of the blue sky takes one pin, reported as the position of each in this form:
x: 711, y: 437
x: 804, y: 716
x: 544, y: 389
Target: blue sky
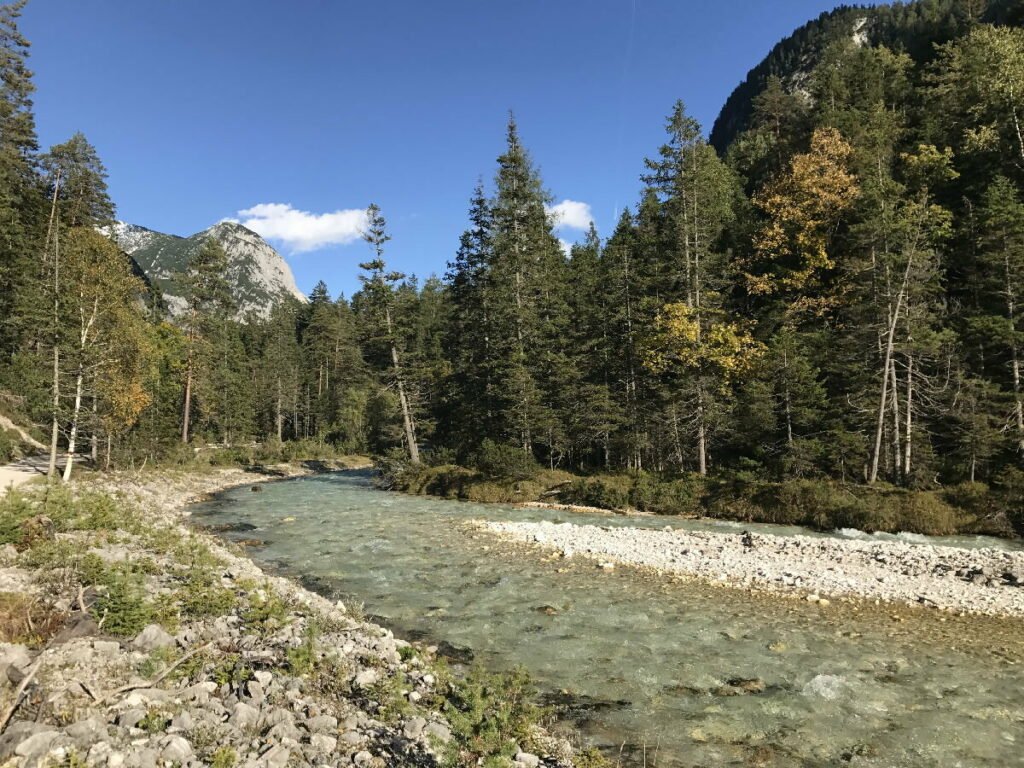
x: 205, y: 109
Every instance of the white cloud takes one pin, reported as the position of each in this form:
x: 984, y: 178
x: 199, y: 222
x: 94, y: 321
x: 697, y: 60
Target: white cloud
x: 302, y: 231
x: 571, y: 214
x: 566, y: 246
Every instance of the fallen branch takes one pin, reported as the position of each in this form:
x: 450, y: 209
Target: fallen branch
x: 19, y: 694
x: 148, y: 683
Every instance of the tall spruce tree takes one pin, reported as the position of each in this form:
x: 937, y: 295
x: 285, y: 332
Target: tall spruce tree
x: 379, y: 288
x: 209, y: 304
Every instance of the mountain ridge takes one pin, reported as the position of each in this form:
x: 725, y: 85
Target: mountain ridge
x: 913, y: 27
x: 258, y: 275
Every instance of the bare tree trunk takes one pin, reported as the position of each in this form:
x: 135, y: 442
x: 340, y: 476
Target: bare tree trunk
x: 52, y: 231
x: 886, y: 365
x: 787, y: 406
x: 94, y: 451
x: 1011, y: 312
x: 279, y: 414
x: 51, y: 471
x: 73, y: 434
x: 407, y: 420
x: 702, y: 458
x: 909, y: 429
x: 677, y: 441
x: 187, y: 408
x: 896, y: 442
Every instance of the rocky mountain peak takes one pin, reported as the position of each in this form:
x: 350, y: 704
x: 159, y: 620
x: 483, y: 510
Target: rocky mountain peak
x: 259, y: 276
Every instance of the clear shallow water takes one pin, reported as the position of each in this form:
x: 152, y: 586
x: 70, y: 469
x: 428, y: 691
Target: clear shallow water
x: 645, y: 662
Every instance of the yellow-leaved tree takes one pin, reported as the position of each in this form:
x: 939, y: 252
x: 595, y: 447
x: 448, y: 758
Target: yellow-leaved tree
x: 108, y: 341
x: 803, y: 207
x: 705, y: 346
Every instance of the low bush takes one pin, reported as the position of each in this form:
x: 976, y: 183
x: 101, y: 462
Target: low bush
x: 203, y: 596
x: 500, y: 461
x: 605, y: 491
x: 677, y: 496
x: 490, y: 716
x: 123, y: 609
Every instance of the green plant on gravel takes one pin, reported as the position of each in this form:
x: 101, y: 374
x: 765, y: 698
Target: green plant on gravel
x: 193, y: 553
x: 591, y: 758
x: 167, y: 612
x: 157, y: 661
x: 15, y: 508
x: 223, y: 757
x: 123, y: 609
x: 155, y: 721
x: 72, y: 759
x: 203, y: 596
x: 331, y: 675
x: 232, y: 670
x: 389, y: 695
x: 489, y: 715
x: 302, y: 660
x: 266, y: 612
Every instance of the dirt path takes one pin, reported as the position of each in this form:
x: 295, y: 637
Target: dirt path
x: 19, y: 472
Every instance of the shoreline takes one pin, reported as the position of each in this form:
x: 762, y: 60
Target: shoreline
x: 977, y: 581
x: 308, y: 681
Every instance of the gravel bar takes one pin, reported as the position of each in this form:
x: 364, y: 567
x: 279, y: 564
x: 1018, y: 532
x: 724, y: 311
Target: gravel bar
x: 986, y: 581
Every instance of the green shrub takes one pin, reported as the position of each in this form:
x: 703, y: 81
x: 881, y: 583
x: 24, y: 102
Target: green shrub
x: 155, y: 721
x: 591, y: 758
x: 387, y: 693
x: 680, y: 496
x: 604, y: 491
x: 265, y: 613
x: 499, y: 461
x: 925, y: 512
x: 223, y: 757
x: 15, y: 508
x: 439, y: 457
x: 812, y: 503
x: 302, y: 660
x: 10, y: 446
x: 489, y: 716
x: 203, y: 596
x: 123, y: 610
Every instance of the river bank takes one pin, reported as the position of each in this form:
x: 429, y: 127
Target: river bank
x: 146, y: 643
x: 985, y: 581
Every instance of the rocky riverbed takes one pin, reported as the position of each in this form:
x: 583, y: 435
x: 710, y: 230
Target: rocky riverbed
x: 984, y: 581
x: 236, y: 667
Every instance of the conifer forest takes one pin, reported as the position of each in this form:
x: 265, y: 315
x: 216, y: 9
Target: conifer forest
x: 815, y: 303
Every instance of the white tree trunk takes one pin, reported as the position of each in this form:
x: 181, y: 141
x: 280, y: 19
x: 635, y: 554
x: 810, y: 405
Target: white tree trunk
x: 73, y: 434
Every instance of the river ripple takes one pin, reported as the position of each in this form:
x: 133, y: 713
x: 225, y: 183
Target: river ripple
x: 688, y: 673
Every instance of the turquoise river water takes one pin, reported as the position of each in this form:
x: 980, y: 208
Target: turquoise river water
x: 654, y: 672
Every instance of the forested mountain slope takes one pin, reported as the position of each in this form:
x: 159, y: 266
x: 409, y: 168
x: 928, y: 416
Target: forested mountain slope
x: 913, y: 27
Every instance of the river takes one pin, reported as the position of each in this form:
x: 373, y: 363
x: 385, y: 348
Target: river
x: 674, y: 674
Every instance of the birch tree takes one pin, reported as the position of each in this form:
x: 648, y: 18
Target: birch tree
x: 105, y: 332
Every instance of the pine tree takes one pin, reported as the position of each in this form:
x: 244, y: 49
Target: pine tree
x: 378, y: 287
x: 20, y: 192
x: 697, y: 192
x: 471, y: 332
x: 525, y: 271
x: 209, y: 304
